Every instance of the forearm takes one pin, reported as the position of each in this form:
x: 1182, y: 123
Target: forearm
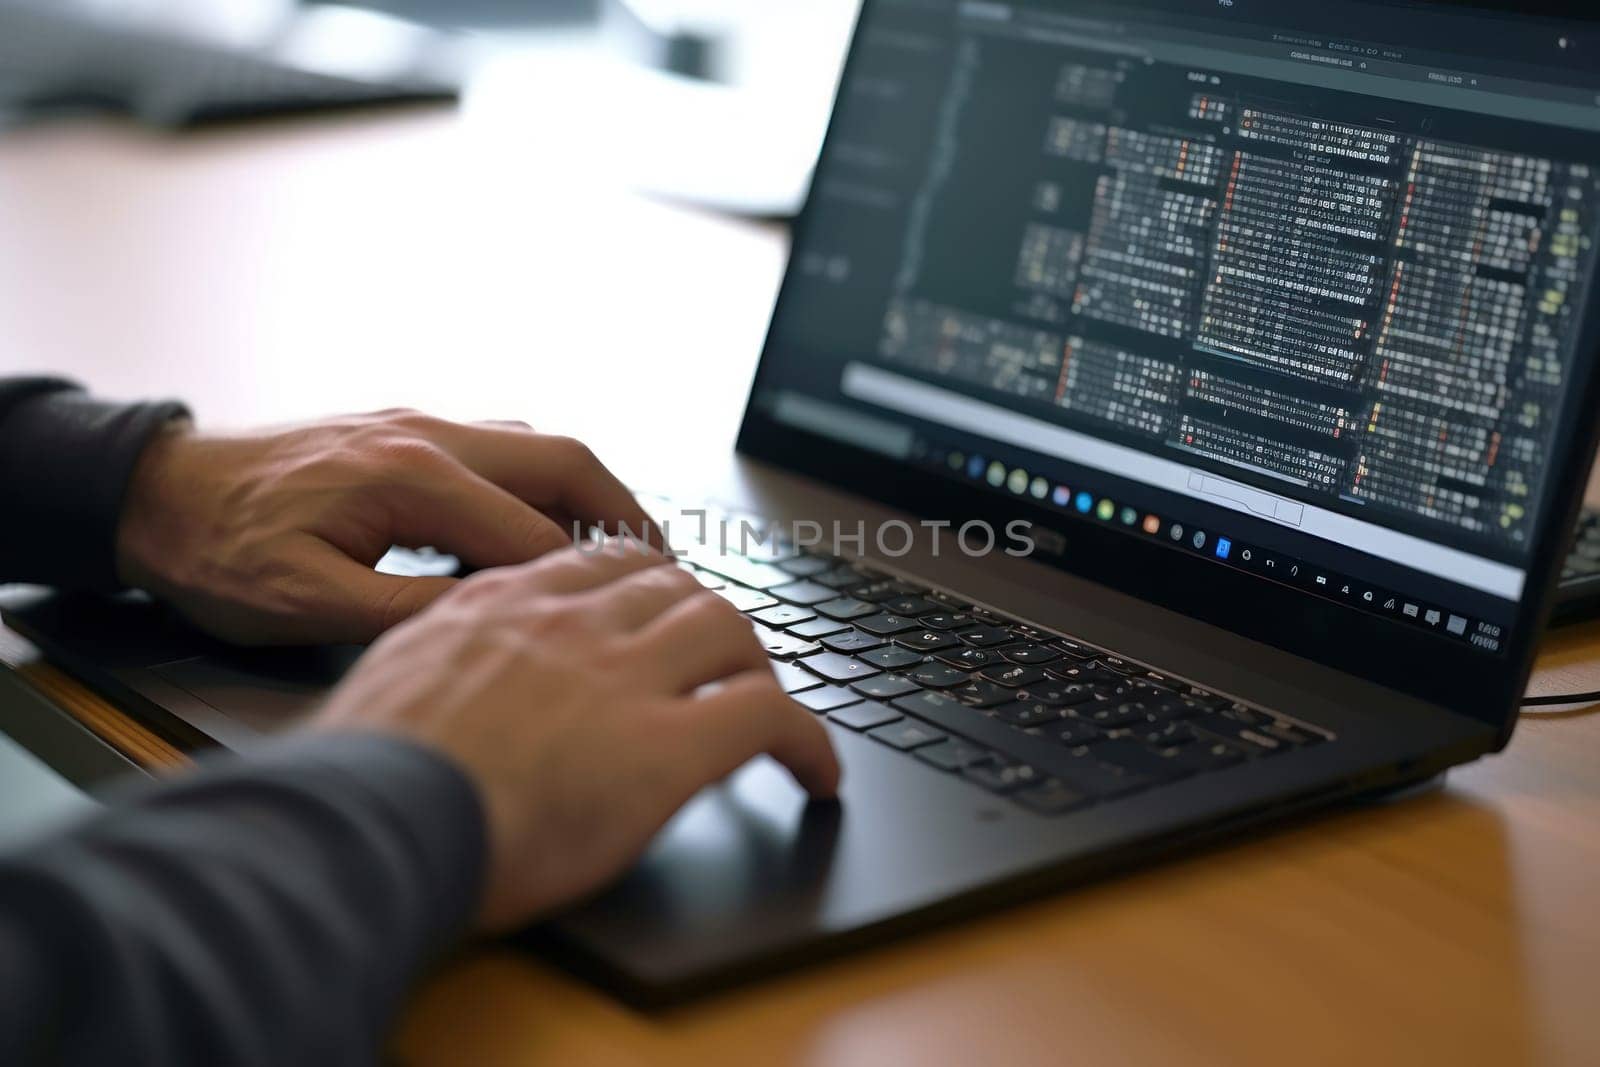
x: 65, y: 463
x: 264, y: 911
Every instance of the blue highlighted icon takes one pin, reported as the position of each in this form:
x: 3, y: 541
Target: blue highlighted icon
x: 975, y: 467
x: 1224, y: 546
x: 1084, y: 503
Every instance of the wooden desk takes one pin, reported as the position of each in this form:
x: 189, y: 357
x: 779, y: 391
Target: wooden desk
x: 286, y: 271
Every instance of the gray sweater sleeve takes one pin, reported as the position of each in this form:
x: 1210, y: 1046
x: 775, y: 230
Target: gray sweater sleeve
x: 65, y: 462
x: 269, y: 910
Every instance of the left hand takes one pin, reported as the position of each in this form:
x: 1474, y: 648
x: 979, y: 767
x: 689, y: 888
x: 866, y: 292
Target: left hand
x: 271, y: 537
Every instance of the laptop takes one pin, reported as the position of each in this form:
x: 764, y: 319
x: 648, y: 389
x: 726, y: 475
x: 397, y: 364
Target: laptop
x: 1173, y: 421
x: 1578, y: 593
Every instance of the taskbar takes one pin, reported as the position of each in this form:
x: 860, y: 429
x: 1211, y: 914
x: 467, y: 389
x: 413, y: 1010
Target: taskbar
x: 1087, y: 503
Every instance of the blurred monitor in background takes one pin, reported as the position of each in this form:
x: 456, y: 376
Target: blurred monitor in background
x: 722, y: 102
x: 175, y: 62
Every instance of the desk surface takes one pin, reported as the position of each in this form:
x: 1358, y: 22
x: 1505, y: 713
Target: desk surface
x: 289, y: 270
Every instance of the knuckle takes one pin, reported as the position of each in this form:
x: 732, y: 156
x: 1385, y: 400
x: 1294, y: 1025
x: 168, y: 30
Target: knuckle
x: 573, y: 452
x: 406, y: 455
x: 540, y: 534
x: 675, y: 580
x: 407, y: 419
x: 707, y: 605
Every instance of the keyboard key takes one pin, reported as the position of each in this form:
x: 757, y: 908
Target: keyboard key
x: 986, y: 636
x: 782, y: 615
x: 1287, y: 732
x: 1109, y: 716
x: 1032, y: 633
x: 864, y: 716
x: 779, y: 644
x: 981, y: 694
x: 946, y: 620
x: 706, y: 578
x: 1074, y: 732
x: 840, y: 577
x: 1051, y: 797
x: 1136, y: 759
x: 993, y: 618
x: 802, y: 592
x: 1115, y: 664
x: 952, y: 755
x: 925, y: 640
x: 1011, y: 675
x: 968, y: 658
x: 1082, y: 673
x: 910, y: 605
x: 907, y: 734
x: 946, y: 601
x: 1030, y: 654
x: 1061, y: 694
x: 845, y: 607
x: 1247, y: 738
x: 939, y: 676
x: 827, y: 698
x: 1161, y: 734
x: 1121, y: 692
x: 1206, y: 697
x: 737, y: 568
x: 891, y: 659
x: 1180, y: 707
x: 1074, y: 766
x: 886, y: 589
x: 793, y: 679
x: 885, y: 686
x: 852, y: 641
x: 1002, y: 777
x: 1246, y: 714
x: 805, y: 566
x: 1074, y: 649
x: 744, y: 598
x: 1202, y: 758
x: 1025, y: 714
x: 818, y: 628
x: 886, y: 625
x: 1165, y: 681
x: 837, y: 668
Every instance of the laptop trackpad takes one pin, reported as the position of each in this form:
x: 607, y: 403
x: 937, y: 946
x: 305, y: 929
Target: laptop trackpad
x: 266, y: 691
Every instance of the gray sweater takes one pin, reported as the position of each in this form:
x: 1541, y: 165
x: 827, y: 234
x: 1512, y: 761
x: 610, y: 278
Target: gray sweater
x: 262, y: 911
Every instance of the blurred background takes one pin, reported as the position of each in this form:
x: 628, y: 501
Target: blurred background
x: 716, y: 102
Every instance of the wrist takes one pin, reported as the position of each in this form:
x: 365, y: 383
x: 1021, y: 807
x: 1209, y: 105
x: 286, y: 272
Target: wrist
x: 140, y: 557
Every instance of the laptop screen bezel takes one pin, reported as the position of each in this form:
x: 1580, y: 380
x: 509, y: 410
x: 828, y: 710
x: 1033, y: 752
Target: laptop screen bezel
x: 1449, y: 674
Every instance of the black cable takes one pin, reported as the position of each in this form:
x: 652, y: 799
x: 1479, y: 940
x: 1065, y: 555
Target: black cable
x: 1567, y: 698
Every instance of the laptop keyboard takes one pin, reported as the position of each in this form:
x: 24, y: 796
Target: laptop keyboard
x: 1584, y: 560
x: 1052, y: 722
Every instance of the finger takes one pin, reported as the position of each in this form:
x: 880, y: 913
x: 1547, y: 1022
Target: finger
x: 577, y: 568
x: 548, y: 472
x: 333, y: 599
x: 637, y: 599
x: 699, y: 640
x: 446, y: 505
x: 745, y: 717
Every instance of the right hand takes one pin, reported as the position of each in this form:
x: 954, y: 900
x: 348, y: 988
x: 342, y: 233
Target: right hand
x: 589, y: 695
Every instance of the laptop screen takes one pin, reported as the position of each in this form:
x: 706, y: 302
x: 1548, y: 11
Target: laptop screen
x: 1298, y: 293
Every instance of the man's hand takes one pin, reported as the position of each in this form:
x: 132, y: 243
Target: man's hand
x: 271, y: 537
x: 589, y: 695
